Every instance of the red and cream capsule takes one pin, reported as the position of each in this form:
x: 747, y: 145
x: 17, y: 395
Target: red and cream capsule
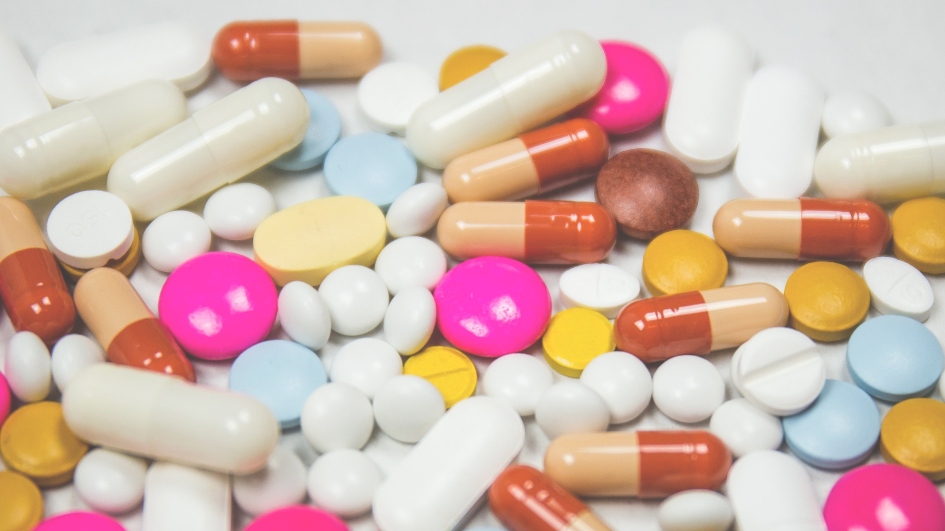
x: 524, y: 499
x: 805, y: 228
x: 698, y: 322
x: 538, y: 232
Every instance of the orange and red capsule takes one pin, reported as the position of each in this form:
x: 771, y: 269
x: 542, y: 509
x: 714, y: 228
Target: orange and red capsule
x: 524, y: 499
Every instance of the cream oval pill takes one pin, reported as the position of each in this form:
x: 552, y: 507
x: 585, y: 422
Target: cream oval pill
x: 177, y: 498
x: 898, y: 288
x: 89, y: 228
x: 20, y: 93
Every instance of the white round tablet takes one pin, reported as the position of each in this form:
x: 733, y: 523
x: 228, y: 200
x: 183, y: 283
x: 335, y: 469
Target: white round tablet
x: 356, y: 298
x: 569, y: 406
x: 173, y: 238
x: 623, y: 381
x: 744, y: 428
x: 280, y: 484
x: 695, y: 510
x: 897, y: 288
x: 303, y: 315
x: 417, y: 210
x: 71, y: 354
x: 110, y: 482
x: 366, y: 364
x: 602, y: 287
x: 410, y: 320
x: 853, y: 112
x: 389, y: 94
x: 89, y: 228
x: 519, y: 380
x: 411, y: 262
x: 779, y: 371
x: 337, y: 415
x: 233, y: 212
x: 344, y: 482
x: 27, y: 367
x: 688, y: 388
x: 407, y: 406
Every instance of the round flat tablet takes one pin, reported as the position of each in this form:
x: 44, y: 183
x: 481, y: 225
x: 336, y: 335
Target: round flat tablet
x: 89, y: 228
x: 4, y: 399
x: 451, y: 371
x: 36, y: 442
x: 324, y: 129
x: 22, y: 502
x: 389, y: 94
x: 124, y: 265
x: 601, y: 287
x: 623, y: 381
x: 373, y: 166
x: 827, y: 300
x: 853, y: 112
x: 295, y: 518
x: 918, y: 232
x: 913, y: 435
x: 233, y: 212
x: 575, y: 337
x: 173, y: 238
x: 884, y: 497
x: 897, y: 288
x: 688, y: 388
x: 682, y: 260
x: 519, y: 380
x: 467, y: 62
x: 80, y: 521
x: 744, y: 428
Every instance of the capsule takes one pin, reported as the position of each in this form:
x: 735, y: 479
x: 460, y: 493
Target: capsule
x: 514, y: 94
x: 21, y: 96
x: 125, y: 327
x: 698, y: 322
x: 291, y: 49
x: 31, y: 286
x: 645, y: 464
x: 539, y: 232
x: 805, y: 229
x: 533, y: 163
x: 524, y: 499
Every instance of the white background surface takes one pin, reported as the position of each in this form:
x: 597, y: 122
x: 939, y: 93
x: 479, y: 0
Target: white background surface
x: 893, y: 50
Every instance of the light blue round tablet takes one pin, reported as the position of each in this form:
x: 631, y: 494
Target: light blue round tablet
x: 837, y: 431
x: 324, y: 129
x: 280, y: 374
x: 894, y: 358
x: 372, y: 166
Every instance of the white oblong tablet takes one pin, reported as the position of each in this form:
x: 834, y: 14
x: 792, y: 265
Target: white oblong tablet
x: 897, y: 288
x: 89, y: 228
x: 446, y: 474
x: 695, y: 510
x: 688, y: 388
x: 417, y: 210
x: 171, y: 51
x: 180, y: 498
x: 853, y: 112
x: 173, y: 238
x: 410, y: 320
x: 389, y: 94
x: 771, y: 490
x: 233, y: 212
x: 27, y: 367
x: 21, y: 97
x: 109, y: 481
x: 601, y: 287
x: 569, y: 406
x: 71, y: 354
x: 519, y: 380
x: 778, y: 134
x: 623, y: 381
x: 280, y: 484
x: 744, y: 428
x: 407, y: 406
x: 303, y: 315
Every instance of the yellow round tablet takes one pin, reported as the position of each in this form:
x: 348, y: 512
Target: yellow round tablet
x: 682, y: 260
x: 918, y: 233
x: 827, y: 300
x: 574, y: 337
x: 21, y: 503
x: 451, y: 371
x: 467, y: 61
x: 36, y: 442
x: 913, y: 435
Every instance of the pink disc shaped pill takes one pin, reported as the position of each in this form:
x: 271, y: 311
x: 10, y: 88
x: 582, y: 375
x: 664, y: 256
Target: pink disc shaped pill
x: 218, y: 305
x: 297, y: 518
x: 491, y: 306
x: 79, y: 521
x: 884, y: 497
x: 4, y: 399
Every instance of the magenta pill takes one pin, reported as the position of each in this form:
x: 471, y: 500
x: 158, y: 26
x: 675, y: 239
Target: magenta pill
x: 218, y: 305
x: 4, y: 399
x: 297, y: 518
x: 491, y: 306
x: 79, y: 521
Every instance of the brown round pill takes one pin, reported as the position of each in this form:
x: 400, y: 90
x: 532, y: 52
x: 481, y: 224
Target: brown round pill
x: 647, y: 191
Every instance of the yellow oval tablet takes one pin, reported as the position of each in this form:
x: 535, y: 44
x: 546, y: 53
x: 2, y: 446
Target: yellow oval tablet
x: 918, y: 233
x: 682, y: 260
x: 36, y: 442
x: 451, y: 371
x: 913, y: 435
x: 21, y: 503
x: 467, y: 61
x: 827, y: 300
x: 574, y: 337
x: 309, y: 240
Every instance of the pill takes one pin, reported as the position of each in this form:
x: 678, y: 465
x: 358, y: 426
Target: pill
x: 647, y: 191
x: 853, y: 112
x: 682, y: 260
x: 575, y: 337
x: 534, y: 163
x: 515, y: 94
x: 80, y: 521
x: 27, y: 367
x: 407, y: 406
x: 410, y: 320
x: 233, y: 212
x: 695, y: 510
x: 623, y: 381
x: 918, y: 234
x: 110, y: 482
x: 174, y: 238
x: 4, y: 399
x: 90, y: 228
x: 374, y: 166
x: 297, y: 518
x: 125, y: 264
x: 448, y: 369
x: 524, y: 499
x: 303, y: 315
x: 519, y: 380
x: 897, y: 288
x: 466, y: 62
x: 154, y: 416
x: 22, y: 502
x: 569, y: 406
x: 827, y: 300
x: 805, y: 229
x: 745, y: 428
x: 542, y: 232
x: 771, y: 490
x: 913, y: 435
x: 122, y: 323
x: 344, y: 482
x: 22, y: 96
x: 698, y: 322
x: 41, y: 155
x: 217, y: 145
x: 89, y: 67
x: 417, y: 210
x: 36, y: 442
x: 390, y: 93
x: 688, y: 388
x: 366, y: 364
x: 703, y: 116
x: 645, y: 464
x: 491, y: 306
x: 340, y: 231
x: 337, y: 415
x: 356, y: 298
x: 294, y: 49
x: 181, y: 498
x: 779, y: 370
x: 443, y: 477
x: 324, y: 129
x: 604, y: 288
x: 280, y: 484
x: 409, y: 262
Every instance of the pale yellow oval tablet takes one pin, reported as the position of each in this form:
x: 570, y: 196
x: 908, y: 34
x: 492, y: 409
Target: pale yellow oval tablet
x: 309, y: 240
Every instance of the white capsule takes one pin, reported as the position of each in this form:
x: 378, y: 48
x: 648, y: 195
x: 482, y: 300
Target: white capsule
x: 897, y: 288
x: 27, y: 367
x: 337, y: 415
x: 519, y: 380
x: 70, y: 355
x: 853, y: 112
x: 410, y: 320
x: 173, y: 238
x: 21, y: 97
x: 344, y: 482
x: 416, y: 211
x: 569, y: 406
x: 280, y: 484
x: 303, y: 315
x: 233, y: 212
x: 411, y: 262
x: 601, y: 287
x: 180, y: 498
x: 110, y: 482
x: 407, y: 406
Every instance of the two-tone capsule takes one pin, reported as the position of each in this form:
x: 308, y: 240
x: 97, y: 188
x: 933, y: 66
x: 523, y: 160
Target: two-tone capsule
x: 538, y: 232
x: 524, y: 499
x: 698, y: 322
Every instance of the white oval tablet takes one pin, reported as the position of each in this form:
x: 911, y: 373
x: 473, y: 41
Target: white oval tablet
x: 771, y: 490
x: 27, y: 367
x: 897, y: 288
x: 280, y: 484
x: 233, y: 212
x: 853, y: 112
x: 89, y: 228
x: 409, y: 262
x: 177, y: 497
x: 344, y: 482
x: 744, y: 428
x: 601, y: 287
x: 173, y: 238
x: 366, y: 364
x: 21, y: 97
x: 335, y: 416
x: 410, y: 320
x: 688, y: 388
x: 519, y: 380
x: 303, y: 315
x: 109, y: 481
x: 71, y: 354
x: 417, y: 210
x: 569, y: 406
x: 389, y: 94
x: 623, y: 381
x: 695, y: 510
x: 356, y: 298
x: 407, y: 406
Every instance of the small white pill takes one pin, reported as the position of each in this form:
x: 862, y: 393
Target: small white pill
x: 853, y: 112
x: 410, y: 320
x: 280, y: 484
x: 696, y: 510
x: 344, y: 482
x: 407, y: 406
x: 71, y: 354
x: 173, y: 238
x: 569, y: 406
x: 337, y: 415
x: 897, y: 288
x: 89, y: 228
x: 601, y: 287
x: 410, y: 262
x: 356, y: 298
x: 366, y: 364
x: 389, y: 94
x: 519, y: 380
x: 27, y: 367
x: 417, y: 210
x: 303, y: 315
x: 744, y: 428
x: 623, y: 381
x: 233, y: 212
x: 181, y: 498
x: 688, y: 388
x: 109, y: 481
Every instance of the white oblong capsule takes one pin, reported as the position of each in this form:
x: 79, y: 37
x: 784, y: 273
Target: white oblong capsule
x: 180, y: 498
x: 770, y: 490
x: 21, y: 97
x: 217, y: 146
x: 704, y: 111
x: 161, y: 417
x: 449, y: 470
x: 80, y: 141
x: 778, y: 134
x: 515, y: 94
x: 172, y: 51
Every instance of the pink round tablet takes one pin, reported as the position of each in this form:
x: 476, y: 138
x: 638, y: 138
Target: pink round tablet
x: 491, y: 306
x: 297, y: 518
x: 79, y: 521
x: 634, y: 93
x: 4, y: 399
x: 218, y: 305
x: 884, y: 497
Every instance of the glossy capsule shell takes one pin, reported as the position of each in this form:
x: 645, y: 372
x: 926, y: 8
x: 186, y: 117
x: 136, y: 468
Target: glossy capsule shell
x: 534, y: 163
x: 644, y: 464
x: 698, y: 322
x: 538, y: 232
x: 805, y: 228
x: 524, y: 499
x: 292, y: 49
